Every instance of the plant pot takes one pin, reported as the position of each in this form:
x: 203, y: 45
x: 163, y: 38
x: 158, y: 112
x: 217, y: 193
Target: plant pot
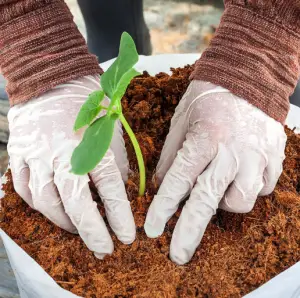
x: 225, y: 265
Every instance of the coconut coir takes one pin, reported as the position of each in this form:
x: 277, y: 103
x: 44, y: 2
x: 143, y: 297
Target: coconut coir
x: 238, y: 252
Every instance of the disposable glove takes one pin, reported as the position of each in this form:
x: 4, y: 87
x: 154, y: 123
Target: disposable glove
x: 220, y: 150
x: 40, y: 147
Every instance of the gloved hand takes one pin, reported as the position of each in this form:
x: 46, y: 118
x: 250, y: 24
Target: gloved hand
x: 40, y: 147
x: 223, y: 152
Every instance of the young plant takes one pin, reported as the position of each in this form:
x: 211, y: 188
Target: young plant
x: 97, y: 137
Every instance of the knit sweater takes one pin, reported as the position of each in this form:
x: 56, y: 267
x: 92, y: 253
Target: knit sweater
x: 40, y: 47
x: 255, y: 52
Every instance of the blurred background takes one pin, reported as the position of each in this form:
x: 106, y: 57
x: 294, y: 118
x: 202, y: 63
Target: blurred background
x: 175, y: 27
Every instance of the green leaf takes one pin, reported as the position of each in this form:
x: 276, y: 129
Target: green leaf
x: 127, y: 58
x: 95, y: 143
x: 89, y: 110
x: 122, y: 86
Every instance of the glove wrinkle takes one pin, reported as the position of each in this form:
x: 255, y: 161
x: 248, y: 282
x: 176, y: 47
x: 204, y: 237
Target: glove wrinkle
x: 223, y: 152
x: 41, y: 144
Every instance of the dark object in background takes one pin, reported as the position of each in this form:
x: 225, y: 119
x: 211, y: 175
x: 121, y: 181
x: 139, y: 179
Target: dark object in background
x: 106, y: 20
x: 295, y: 98
x: 3, y: 94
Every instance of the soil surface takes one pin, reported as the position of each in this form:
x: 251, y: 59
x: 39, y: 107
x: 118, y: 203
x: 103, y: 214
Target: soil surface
x: 238, y: 252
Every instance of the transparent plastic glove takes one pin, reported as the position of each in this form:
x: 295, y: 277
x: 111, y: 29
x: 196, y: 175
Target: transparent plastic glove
x: 223, y: 152
x: 41, y: 143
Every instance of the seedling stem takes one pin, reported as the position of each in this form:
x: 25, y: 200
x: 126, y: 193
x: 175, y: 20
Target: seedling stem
x: 138, y: 153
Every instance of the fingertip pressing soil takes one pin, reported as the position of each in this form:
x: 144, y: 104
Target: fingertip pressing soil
x: 238, y: 253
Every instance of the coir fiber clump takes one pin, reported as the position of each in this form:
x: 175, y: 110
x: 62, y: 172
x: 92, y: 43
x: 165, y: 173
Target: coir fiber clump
x: 238, y: 252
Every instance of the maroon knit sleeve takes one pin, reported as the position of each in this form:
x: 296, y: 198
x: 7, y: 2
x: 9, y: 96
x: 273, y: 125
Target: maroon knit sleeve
x: 40, y: 47
x: 256, y: 53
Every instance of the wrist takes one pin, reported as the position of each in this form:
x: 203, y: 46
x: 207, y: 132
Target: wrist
x: 40, y: 48
x: 255, y: 57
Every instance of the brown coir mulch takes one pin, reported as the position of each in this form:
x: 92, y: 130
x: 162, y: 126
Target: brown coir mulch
x: 238, y: 252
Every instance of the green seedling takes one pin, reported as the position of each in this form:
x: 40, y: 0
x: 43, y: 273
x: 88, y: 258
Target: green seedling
x: 98, y: 135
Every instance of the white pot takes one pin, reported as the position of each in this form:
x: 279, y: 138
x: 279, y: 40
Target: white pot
x: 34, y: 282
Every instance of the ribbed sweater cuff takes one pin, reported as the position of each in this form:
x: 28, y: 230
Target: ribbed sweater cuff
x: 255, y: 57
x: 40, y: 47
